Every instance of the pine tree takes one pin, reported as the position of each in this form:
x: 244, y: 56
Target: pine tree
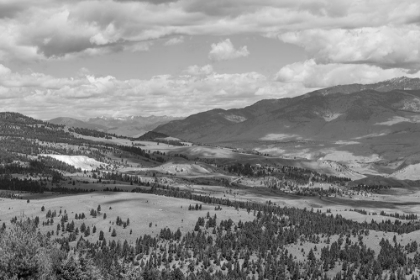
x: 83, y: 227
x: 87, y: 231
x: 101, y: 235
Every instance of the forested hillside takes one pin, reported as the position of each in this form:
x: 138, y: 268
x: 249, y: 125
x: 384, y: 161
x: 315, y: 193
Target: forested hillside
x: 213, y: 250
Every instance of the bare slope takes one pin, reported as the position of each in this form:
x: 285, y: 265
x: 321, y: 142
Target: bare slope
x: 82, y: 162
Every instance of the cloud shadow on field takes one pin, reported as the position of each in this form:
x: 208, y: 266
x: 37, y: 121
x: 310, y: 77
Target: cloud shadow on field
x: 115, y: 201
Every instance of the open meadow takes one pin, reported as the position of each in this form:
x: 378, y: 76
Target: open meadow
x: 147, y: 213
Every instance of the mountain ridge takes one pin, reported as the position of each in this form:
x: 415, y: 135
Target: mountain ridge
x: 266, y: 110
x: 403, y: 83
x: 132, y: 126
x: 366, y: 127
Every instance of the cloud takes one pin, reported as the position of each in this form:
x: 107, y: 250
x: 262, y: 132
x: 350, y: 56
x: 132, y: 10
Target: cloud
x: 65, y: 29
x: 225, y: 50
x: 196, y: 70
x: 312, y: 75
x: 4, y: 70
x: 345, y: 42
x: 156, y: 2
x: 174, y: 41
x: 10, y: 9
x: 198, y: 89
x: 385, y: 46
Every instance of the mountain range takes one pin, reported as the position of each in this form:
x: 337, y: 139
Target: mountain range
x: 132, y: 126
x: 374, y: 126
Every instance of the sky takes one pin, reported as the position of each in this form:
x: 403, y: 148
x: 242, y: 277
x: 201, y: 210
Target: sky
x: 83, y: 59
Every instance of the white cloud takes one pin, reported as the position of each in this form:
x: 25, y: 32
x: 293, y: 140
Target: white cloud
x: 55, y: 29
x: 225, y: 50
x: 174, y: 41
x: 345, y: 41
x: 313, y: 75
x: 45, y: 96
x: 384, y: 46
x: 196, y: 70
x: 4, y: 70
x: 138, y: 47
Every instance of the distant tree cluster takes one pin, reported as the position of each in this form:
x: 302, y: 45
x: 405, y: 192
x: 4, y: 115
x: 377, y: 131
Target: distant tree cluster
x: 370, y: 188
x: 120, y: 222
x: 299, y: 175
x: 94, y: 133
x: 196, y: 207
x: 399, y: 216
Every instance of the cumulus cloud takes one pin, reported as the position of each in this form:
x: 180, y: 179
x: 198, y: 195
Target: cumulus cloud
x: 57, y: 29
x: 174, y: 41
x: 225, y: 50
x: 44, y: 96
x: 312, y: 75
x: 384, y: 46
x: 345, y: 41
x: 196, y: 70
x: 156, y: 2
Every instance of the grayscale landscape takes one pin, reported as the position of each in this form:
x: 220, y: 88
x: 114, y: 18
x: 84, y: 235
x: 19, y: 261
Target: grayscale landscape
x: 186, y: 139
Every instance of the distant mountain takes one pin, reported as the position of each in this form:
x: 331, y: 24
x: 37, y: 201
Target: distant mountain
x: 132, y: 126
x: 76, y: 123
x: 375, y: 122
x: 310, y: 116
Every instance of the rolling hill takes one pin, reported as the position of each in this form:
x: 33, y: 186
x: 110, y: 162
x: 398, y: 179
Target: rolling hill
x: 372, y: 126
x: 70, y: 122
x: 132, y: 126
x: 327, y: 114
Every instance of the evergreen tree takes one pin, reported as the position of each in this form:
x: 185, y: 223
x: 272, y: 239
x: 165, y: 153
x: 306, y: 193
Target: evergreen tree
x: 101, y: 235
x: 83, y: 227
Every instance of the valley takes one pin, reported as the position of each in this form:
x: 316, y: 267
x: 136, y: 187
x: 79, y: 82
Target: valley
x: 290, y: 203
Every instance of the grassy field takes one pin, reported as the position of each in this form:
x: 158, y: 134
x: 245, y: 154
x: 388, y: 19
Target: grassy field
x: 141, y: 209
